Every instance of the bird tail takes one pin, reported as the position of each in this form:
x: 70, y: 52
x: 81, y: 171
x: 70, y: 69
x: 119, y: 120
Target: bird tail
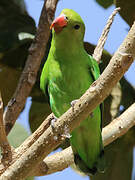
x: 101, y: 162
x: 81, y: 165
x: 99, y: 165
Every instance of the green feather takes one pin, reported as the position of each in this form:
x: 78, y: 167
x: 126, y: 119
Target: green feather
x: 67, y: 74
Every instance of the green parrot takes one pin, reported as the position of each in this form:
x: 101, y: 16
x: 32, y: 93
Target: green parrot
x: 67, y: 74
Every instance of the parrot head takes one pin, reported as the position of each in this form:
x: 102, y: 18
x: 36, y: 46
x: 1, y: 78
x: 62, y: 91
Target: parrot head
x: 68, y: 25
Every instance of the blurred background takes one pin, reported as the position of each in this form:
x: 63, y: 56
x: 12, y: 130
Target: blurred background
x: 18, y: 22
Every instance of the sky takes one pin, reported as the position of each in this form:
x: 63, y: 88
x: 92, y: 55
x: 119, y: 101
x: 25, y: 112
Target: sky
x: 95, y: 18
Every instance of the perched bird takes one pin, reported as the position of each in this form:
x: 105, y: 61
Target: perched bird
x: 67, y: 74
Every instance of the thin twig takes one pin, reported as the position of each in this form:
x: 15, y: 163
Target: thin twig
x: 100, y: 45
x: 29, y: 74
x: 98, y: 91
x: 4, y: 144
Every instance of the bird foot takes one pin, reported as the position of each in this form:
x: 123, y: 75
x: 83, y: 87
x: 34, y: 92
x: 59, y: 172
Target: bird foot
x: 66, y: 133
x: 53, y: 120
x: 74, y: 102
x: 91, y: 114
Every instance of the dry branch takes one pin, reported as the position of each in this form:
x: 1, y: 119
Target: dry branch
x: 98, y: 91
x: 4, y: 144
x: 65, y: 158
x: 31, y: 139
x: 100, y: 45
x: 119, y: 126
x: 29, y: 74
x: 27, y: 143
x: 54, y: 163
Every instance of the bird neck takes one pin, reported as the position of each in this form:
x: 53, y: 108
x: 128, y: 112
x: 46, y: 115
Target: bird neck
x: 66, y: 45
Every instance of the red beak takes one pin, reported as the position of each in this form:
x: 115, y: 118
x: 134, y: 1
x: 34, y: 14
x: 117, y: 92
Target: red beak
x: 59, y: 23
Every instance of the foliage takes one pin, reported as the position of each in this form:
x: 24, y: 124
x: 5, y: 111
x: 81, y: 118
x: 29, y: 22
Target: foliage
x: 14, y: 20
x: 127, y: 8
x: 17, y: 136
x: 105, y: 4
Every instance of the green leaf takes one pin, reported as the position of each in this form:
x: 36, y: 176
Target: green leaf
x: 38, y: 112
x: 13, y: 20
x: 7, y: 86
x: 15, y: 23
x: 119, y: 159
x: 105, y: 3
x: 24, y: 35
x: 127, y: 11
x: 17, y: 135
x: 21, y: 4
x: 30, y: 178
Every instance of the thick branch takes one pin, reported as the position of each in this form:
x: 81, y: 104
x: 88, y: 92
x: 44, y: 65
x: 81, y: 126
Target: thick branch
x: 119, y: 126
x: 4, y: 144
x: 65, y: 158
x: 31, y: 139
x: 28, y: 77
x: 54, y: 163
x: 100, y: 45
x: 98, y: 91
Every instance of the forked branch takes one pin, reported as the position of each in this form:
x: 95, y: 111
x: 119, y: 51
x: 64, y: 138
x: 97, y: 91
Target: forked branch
x: 98, y: 91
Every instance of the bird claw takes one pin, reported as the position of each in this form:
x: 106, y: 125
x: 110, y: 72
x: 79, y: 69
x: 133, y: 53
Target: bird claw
x: 66, y: 133
x: 74, y: 102
x: 53, y: 120
x: 91, y: 115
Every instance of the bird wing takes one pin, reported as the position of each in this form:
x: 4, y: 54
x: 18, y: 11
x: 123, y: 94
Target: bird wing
x: 44, y: 80
x: 94, y: 68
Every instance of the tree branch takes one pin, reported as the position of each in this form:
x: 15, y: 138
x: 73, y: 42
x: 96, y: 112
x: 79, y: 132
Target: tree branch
x: 61, y: 160
x: 54, y: 163
x: 4, y: 144
x: 119, y: 126
x: 31, y: 139
x: 29, y: 74
x: 100, y: 45
x: 98, y: 91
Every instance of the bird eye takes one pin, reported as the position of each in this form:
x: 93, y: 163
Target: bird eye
x: 76, y: 26
x: 66, y: 17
